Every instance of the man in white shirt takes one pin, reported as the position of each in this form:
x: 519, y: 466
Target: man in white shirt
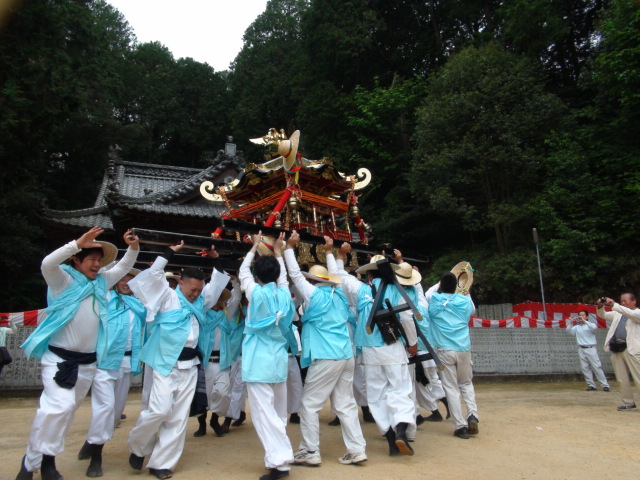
x: 66, y: 342
x: 584, y: 330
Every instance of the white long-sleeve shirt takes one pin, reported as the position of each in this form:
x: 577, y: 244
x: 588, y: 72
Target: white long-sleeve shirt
x: 81, y: 333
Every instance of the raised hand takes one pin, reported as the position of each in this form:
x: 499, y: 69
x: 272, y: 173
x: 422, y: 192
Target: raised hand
x: 88, y: 240
x: 328, y: 244
x: 132, y: 240
x: 294, y: 239
x: 178, y: 247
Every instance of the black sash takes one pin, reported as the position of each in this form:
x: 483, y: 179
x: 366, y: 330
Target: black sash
x: 67, y: 374
x: 188, y: 354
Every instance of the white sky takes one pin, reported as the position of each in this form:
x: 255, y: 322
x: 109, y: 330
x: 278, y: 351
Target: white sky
x: 209, y: 31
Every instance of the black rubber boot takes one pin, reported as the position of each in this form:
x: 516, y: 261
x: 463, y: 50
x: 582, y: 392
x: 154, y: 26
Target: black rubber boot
x: 216, y: 425
x: 48, y: 468
x: 240, y: 420
x: 202, y: 429
x: 24, y: 474
x: 95, y: 467
x: 136, y: 462
x: 445, y: 402
x: 435, y: 416
x: 366, y: 415
x: 391, y: 438
x: 401, y: 439
x: 335, y: 422
x: 85, y: 451
x: 294, y: 418
x: 227, y: 422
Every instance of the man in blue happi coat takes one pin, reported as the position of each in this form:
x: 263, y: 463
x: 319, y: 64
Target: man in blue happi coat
x: 327, y: 351
x: 178, y: 331
x: 264, y: 353
x: 66, y: 342
x: 121, y: 344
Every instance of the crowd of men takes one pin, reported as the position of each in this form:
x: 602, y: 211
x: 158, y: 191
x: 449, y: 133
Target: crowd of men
x: 204, y: 347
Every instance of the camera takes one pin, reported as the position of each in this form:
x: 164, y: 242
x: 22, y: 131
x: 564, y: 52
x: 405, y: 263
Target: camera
x: 602, y: 300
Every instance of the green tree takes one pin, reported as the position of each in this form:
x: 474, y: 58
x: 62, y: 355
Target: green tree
x: 480, y: 141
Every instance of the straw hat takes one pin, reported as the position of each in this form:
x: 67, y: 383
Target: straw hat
x: 407, y: 275
x: 289, y: 149
x: 464, y: 276
x: 372, y: 265
x: 322, y: 275
x: 169, y: 275
x: 133, y: 272
x: 225, y: 295
x: 109, y: 252
x: 265, y: 247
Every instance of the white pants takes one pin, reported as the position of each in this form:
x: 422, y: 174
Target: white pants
x: 147, y: 381
x: 238, y: 390
x: 359, y: 385
x: 624, y: 365
x: 330, y: 379
x: 56, y: 412
x: 102, y: 406
x: 121, y: 388
x: 590, y: 363
x: 294, y: 386
x: 389, y: 390
x: 218, y: 388
x: 161, y: 428
x: 268, y: 402
x: 428, y: 395
x: 457, y: 379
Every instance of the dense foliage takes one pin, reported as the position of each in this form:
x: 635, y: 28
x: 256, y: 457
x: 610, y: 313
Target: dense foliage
x: 479, y: 120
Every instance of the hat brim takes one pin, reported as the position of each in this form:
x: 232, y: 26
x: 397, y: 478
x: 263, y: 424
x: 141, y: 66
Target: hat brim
x: 225, y: 295
x: 332, y: 280
x: 109, y: 252
x: 134, y: 272
x: 290, y: 159
x: 266, y: 245
x: 464, y: 277
x: 413, y: 280
x: 374, y: 266
x: 169, y: 275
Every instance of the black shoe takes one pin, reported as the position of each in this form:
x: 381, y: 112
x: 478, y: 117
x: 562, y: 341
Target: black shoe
x: 445, y: 402
x: 435, y: 416
x: 605, y: 389
x: 462, y: 432
x: 48, y: 468
x: 95, y: 467
x: 274, y: 474
x: 590, y: 389
x: 366, y: 415
x: 227, y: 424
x: 24, y: 474
x: 135, y: 461
x: 419, y: 420
x: 213, y: 423
x: 293, y: 418
x: 85, y: 451
x: 391, y: 439
x: 472, y: 423
x: 202, y: 426
x: 161, y: 473
x: 401, y: 439
x: 335, y: 422
x: 240, y: 420
x: 622, y: 408
x: 123, y: 416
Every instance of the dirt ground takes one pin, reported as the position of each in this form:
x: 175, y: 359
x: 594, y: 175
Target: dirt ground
x: 528, y: 430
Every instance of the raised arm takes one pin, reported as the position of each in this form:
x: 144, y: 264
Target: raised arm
x: 219, y: 279
x: 304, y: 288
x: 350, y: 285
x: 246, y: 277
x: 236, y: 297
x: 124, y: 266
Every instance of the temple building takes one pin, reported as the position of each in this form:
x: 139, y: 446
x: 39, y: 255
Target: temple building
x: 150, y: 196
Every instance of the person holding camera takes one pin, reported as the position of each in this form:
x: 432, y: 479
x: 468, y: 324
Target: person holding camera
x: 623, y: 341
x: 584, y: 331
